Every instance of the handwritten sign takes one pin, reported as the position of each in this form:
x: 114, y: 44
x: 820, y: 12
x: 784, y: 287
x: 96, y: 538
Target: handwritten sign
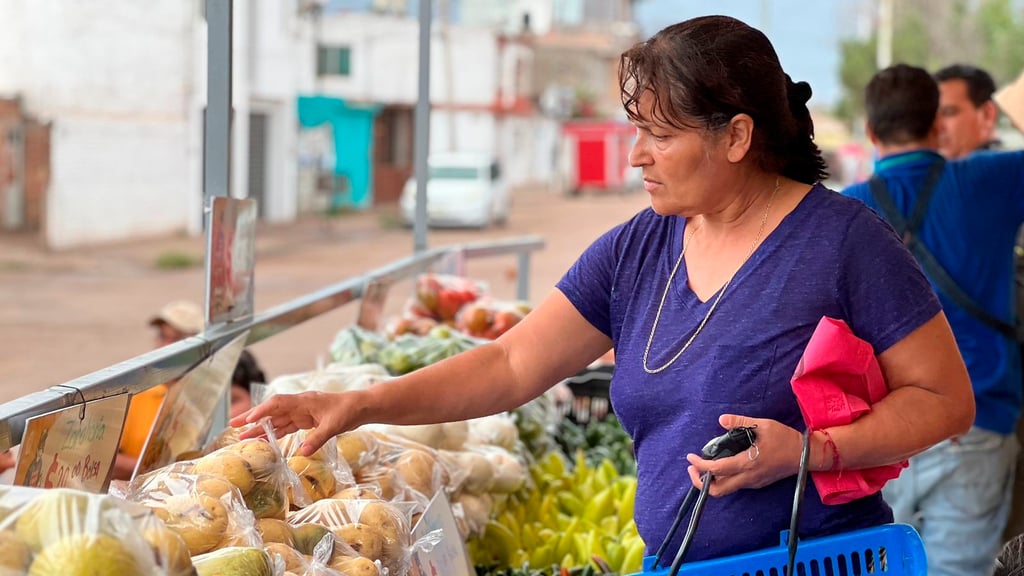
x: 231, y: 253
x: 449, y: 556
x: 64, y: 450
x: 371, y: 306
x: 187, y: 413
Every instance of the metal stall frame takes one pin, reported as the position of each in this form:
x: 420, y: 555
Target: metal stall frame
x: 175, y: 360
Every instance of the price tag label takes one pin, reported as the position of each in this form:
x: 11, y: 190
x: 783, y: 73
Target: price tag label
x: 231, y: 256
x: 72, y: 447
x: 371, y: 306
x: 187, y: 413
x: 448, y: 557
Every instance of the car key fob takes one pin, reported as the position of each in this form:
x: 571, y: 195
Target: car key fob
x: 731, y: 443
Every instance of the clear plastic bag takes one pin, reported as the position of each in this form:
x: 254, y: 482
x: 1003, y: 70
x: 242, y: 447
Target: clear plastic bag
x: 336, y: 377
x: 358, y: 448
x: 408, y: 352
x: 442, y: 295
x: 353, y: 346
x: 374, y: 529
x: 207, y: 512
x: 489, y: 318
x: 63, y: 531
x: 247, y: 560
x: 322, y: 473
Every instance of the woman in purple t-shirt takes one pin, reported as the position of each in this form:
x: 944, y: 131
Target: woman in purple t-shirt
x: 709, y: 299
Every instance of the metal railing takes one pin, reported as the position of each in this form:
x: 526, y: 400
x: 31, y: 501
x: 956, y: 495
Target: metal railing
x: 175, y: 360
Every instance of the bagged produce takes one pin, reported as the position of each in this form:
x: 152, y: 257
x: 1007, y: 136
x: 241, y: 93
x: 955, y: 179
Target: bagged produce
x: 322, y: 473
x: 496, y: 430
x: 409, y: 322
x: 256, y: 467
x: 373, y: 529
x: 336, y: 377
x: 442, y: 295
x: 353, y: 346
x: 358, y: 448
x: 489, y: 318
x: 67, y: 532
x: 408, y: 352
x: 207, y: 512
x: 447, y: 436
x: 236, y: 561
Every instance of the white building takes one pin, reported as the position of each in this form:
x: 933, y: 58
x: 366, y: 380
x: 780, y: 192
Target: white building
x: 480, y: 90
x: 123, y: 88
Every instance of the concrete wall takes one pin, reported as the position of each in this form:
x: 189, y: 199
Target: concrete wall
x: 124, y: 86
x: 479, y: 82
x: 117, y: 96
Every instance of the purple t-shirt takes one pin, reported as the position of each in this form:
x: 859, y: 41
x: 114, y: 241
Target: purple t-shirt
x: 830, y: 257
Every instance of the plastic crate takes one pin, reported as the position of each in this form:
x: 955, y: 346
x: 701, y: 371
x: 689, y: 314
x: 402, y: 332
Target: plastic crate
x: 590, y: 394
x: 892, y: 549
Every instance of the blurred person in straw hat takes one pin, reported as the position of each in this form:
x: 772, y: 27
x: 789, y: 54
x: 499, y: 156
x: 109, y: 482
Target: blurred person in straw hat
x: 173, y: 322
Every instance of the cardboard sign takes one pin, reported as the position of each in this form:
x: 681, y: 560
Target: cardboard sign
x: 230, y: 259
x: 187, y: 413
x: 72, y: 447
x: 371, y: 306
x: 449, y: 556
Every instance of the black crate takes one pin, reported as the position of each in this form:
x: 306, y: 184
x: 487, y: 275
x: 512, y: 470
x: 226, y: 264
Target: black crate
x: 590, y: 394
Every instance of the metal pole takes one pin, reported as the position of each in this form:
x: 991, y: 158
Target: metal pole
x: 523, y: 277
x: 422, y: 143
x: 217, y: 143
x: 883, y: 52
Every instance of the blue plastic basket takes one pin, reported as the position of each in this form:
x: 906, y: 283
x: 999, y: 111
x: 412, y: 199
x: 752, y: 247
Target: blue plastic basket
x: 894, y: 549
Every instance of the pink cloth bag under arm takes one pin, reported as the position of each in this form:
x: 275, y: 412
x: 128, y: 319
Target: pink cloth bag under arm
x: 836, y: 382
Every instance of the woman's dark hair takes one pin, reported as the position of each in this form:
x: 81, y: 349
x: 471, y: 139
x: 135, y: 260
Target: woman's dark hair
x: 901, y: 102
x: 247, y: 371
x: 703, y: 72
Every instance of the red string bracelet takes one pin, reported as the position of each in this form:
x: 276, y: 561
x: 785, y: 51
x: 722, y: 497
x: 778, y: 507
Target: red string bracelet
x: 837, y: 460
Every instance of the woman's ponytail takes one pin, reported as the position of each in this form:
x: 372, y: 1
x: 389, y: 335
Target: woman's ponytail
x: 804, y: 162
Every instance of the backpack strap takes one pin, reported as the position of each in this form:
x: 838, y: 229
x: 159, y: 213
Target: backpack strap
x: 908, y: 229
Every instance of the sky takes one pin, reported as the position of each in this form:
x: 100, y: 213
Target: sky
x: 805, y: 34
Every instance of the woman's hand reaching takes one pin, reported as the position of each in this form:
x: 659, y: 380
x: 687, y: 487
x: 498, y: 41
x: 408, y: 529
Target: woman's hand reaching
x: 775, y: 455
x: 326, y: 414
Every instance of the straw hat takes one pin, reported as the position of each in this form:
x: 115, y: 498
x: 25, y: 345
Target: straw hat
x: 184, y: 316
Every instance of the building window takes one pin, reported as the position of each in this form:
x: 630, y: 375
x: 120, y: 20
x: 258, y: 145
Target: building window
x: 334, y: 61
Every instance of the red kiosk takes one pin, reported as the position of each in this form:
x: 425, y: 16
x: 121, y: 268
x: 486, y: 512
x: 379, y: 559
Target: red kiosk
x: 596, y: 155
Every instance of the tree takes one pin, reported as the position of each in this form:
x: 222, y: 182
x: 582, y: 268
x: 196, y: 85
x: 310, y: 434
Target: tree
x: 932, y: 34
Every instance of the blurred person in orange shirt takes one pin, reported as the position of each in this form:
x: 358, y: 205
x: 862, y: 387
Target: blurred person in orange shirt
x: 175, y: 321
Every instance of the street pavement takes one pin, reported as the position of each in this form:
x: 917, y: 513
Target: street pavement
x: 66, y: 314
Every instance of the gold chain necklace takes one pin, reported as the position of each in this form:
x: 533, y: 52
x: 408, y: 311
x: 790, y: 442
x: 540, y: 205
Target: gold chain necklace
x: 664, y: 295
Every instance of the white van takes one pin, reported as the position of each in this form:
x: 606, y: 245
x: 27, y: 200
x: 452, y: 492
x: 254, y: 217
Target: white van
x: 465, y: 189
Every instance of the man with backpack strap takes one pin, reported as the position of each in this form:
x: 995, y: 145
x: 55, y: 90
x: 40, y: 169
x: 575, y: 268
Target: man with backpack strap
x: 959, y: 219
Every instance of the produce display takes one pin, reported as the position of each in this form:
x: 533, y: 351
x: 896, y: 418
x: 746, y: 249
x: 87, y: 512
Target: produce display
x: 461, y: 304
x: 533, y: 493
x: 68, y: 532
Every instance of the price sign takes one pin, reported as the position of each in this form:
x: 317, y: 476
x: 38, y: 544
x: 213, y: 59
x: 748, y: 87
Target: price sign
x: 187, y: 413
x: 73, y: 447
x: 448, y: 557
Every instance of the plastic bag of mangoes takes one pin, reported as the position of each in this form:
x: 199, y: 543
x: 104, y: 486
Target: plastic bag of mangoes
x: 206, y: 511
x: 69, y: 532
x: 313, y: 550
x: 255, y: 466
x: 373, y: 529
x: 238, y: 561
x: 322, y: 473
